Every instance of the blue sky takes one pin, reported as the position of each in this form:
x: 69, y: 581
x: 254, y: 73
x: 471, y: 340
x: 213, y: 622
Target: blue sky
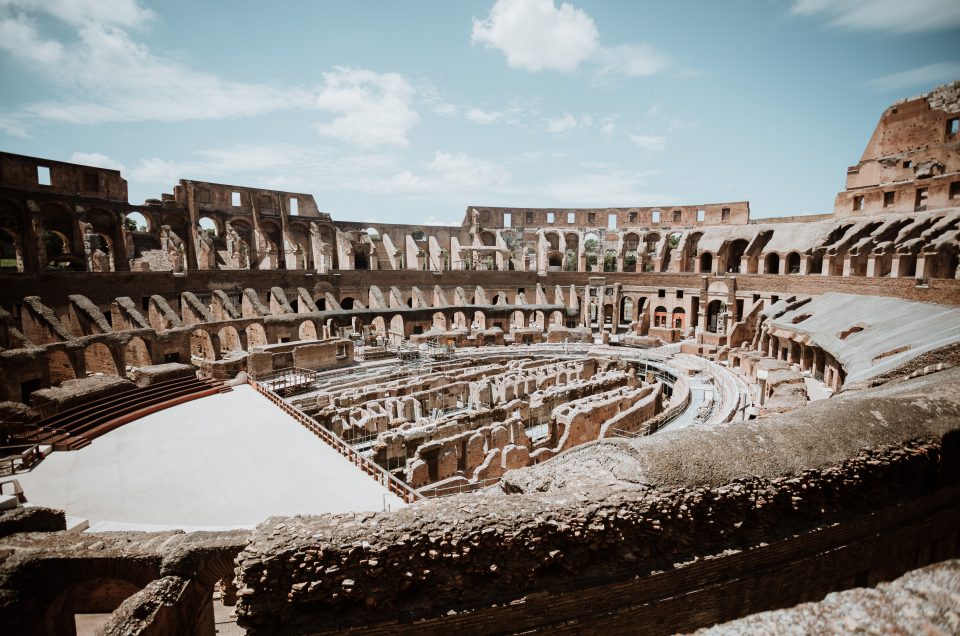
x: 408, y: 112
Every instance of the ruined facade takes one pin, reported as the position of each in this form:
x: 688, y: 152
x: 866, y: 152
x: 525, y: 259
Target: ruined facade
x: 595, y: 414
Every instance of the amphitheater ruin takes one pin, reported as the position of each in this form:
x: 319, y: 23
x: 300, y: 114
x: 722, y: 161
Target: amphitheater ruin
x: 224, y: 411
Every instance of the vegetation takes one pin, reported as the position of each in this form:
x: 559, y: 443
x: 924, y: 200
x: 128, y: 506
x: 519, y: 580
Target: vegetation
x: 590, y: 245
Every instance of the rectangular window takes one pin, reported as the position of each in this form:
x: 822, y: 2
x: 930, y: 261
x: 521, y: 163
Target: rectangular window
x: 633, y: 217
x: 235, y: 199
x: 953, y: 126
x: 920, y: 204
x: 591, y: 217
x: 774, y: 299
x: 294, y: 206
x: 955, y: 190
x: 507, y: 219
x: 756, y: 298
x: 91, y: 182
x: 571, y: 218
x: 611, y: 221
x: 529, y: 218
x: 725, y: 214
x: 857, y: 203
x: 656, y: 216
x: 661, y: 293
x: 701, y: 216
x: 677, y: 214
x: 549, y: 217
x: 907, y: 164
x: 679, y: 293
x: 43, y: 175
x: 888, y: 198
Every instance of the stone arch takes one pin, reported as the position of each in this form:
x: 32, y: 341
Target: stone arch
x: 137, y: 221
x: 627, y: 314
x: 706, y: 263
x: 556, y: 318
x: 229, y: 340
x: 793, y: 263
x: 378, y: 326
x: 439, y: 321
x: 136, y: 353
x: 771, y: 263
x: 713, y: 315
x: 210, y: 225
x: 99, y: 358
x: 347, y: 303
x: 518, y: 319
x: 661, y: 317
x: 307, y: 330
x: 100, y: 595
x: 480, y: 320
x: 459, y: 320
x: 679, y: 318
x: 201, y: 345
x: 60, y: 366
x: 735, y: 254
x: 11, y: 251
x: 396, y: 333
x: 256, y: 335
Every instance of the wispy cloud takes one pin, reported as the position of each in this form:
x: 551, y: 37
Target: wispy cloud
x: 612, y: 186
x: 888, y: 16
x: 651, y: 143
x: 923, y: 77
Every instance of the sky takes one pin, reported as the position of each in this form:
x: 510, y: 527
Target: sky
x: 409, y: 112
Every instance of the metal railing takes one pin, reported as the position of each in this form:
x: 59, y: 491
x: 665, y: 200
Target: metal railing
x: 368, y: 466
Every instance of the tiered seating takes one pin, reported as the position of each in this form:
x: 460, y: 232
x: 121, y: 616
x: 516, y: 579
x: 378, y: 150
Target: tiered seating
x: 74, y: 428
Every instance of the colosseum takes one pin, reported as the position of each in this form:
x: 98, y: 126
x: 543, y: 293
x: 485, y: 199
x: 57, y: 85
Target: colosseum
x: 224, y: 411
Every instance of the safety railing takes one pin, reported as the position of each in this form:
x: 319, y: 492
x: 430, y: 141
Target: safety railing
x: 368, y: 466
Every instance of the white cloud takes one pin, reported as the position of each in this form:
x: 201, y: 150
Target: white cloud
x: 374, y: 108
x: 96, y: 159
x: 924, y: 77
x: 561, y: 124
x: 612, y: 187
x: 124, y: 13
x: 484, y: 117
x: 652, y: 143
x: 890, y: 16
x: 608, y: 126
x: 631, y: 60
x: 18, y: 36
x: 463, y: 170
x: 536, y: 35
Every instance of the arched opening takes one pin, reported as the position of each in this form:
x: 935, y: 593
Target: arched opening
x: 554, y: 261
x: 209, y: 227
x: 439, y: 321
x: 713, y: 315
x: 610, y: 261
x: 307, y: 330
x: 57, y: 248
x: 793, y: 263
x: 706, y: 263
x: 136, y: 222
x: 679, y: 319
x: 396, y: 329
x: 488, y: 239
x: 68, y: 613
x: 97, y: 358
x: 626, y: 310
x: 373, y: 233
x: 256, y: 336
x: 518, y: 320
x: 460, y: 320
x: 660, y: 316
x: 201, y: 346
x: 229, y: 341
x: 479, y: 320
x: 136, y: 353
x: 11, y: 254
x: 735, y: 255
x: 771, y: 264
x: 497, y: 298
x: 101, y: 253
x: 556, y: 318
x: 60, y: 366
x: 346, y: 303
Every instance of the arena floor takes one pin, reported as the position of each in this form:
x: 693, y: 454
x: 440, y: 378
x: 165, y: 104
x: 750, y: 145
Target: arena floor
x: 228, y: 460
